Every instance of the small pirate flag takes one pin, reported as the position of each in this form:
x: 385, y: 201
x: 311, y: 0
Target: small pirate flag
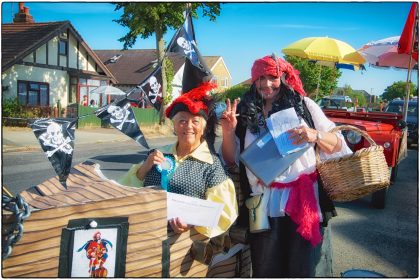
x: 121, y: 116
x: 152, y: 88
x: 56, y: 137
x: 195, y: 70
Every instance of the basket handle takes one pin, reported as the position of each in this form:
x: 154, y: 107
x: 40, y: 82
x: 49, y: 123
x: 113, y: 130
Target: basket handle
x: 346, y: 127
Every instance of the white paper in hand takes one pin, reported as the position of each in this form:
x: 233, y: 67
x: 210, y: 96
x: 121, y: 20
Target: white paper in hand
x: 278, y: 124
x: 193, y: 211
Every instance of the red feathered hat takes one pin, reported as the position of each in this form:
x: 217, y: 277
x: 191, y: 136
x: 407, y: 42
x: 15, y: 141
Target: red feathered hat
x: 195, y: 101
x: 269, y: 66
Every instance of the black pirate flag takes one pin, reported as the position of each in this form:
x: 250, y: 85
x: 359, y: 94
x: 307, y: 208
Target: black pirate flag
x: 152, y: 88
x: 121, y: 116
x: 195, y: 70
x: 56, y: 137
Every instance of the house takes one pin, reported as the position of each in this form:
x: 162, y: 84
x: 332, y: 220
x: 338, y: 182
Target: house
x: 131, y: 67
x: 46, y: 63
x: 220, y: 71
x: 369, y: 98
x: 245, y: 83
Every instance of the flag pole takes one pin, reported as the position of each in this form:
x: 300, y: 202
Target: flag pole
x: 410, y: 62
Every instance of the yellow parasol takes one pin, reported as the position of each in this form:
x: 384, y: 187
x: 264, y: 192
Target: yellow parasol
x: 325, y: 49
x: 327, y: 52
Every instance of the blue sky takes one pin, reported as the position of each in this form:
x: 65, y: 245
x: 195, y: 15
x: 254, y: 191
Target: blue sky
x: 246, y: 31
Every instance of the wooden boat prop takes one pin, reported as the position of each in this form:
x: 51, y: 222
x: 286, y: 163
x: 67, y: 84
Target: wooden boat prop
x: 99, y: 228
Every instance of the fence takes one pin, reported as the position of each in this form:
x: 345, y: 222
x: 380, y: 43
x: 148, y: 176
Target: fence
x: 146, y: 116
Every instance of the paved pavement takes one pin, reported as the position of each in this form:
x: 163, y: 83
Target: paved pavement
x: 23, y: 139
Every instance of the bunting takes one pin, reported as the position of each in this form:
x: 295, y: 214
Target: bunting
x: 195, y: 69
x: 121, y: 116
x: 152, y: 88
x: 56, y: 137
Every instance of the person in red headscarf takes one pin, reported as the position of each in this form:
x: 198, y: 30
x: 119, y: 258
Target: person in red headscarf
x: 198, y: 172
x: 295, y: 203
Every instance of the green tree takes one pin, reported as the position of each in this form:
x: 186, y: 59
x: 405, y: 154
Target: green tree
x: 236, y: 91
x: 397, y: 90
x: 360, y: 97
x: 169, y: 70
x: 318, y: 81
x: 353, y: 94
x: 347, y: 90
x: 144, y: 19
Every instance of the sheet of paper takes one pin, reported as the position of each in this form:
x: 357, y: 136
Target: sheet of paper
x: 278, y: 124
x: 193, y: 211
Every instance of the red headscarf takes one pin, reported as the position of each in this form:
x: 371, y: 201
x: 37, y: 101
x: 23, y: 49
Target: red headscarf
x: 195, y: 101
x: 268, y: 66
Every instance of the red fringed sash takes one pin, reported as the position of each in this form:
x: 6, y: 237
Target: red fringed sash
x: 302, y: 206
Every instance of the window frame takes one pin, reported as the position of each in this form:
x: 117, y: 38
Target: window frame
x: 66, y: 42
x: 38, y: 91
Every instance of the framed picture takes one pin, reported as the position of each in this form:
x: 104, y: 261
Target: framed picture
x: 94, y: 247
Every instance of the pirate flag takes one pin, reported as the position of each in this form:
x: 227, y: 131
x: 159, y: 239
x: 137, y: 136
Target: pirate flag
x: 152, y: 88
x: 121, y: 116
x: 56, y: 137
x: 195, y: 69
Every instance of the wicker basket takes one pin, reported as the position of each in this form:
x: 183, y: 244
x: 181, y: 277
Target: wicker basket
x: 351, y: 177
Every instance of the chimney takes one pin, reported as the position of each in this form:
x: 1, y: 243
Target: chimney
x: 23, y: 15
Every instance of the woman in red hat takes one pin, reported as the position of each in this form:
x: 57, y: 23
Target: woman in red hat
x: 198, y: 172
x: 295, y: 203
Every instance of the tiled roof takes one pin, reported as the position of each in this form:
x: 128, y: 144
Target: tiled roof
x: 135, y: 65
x: 246, y: 82
x: 18, y: 40
x: 211, y: 60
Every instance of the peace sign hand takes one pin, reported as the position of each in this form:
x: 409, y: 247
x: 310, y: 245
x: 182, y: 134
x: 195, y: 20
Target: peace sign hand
x: 228, y: 120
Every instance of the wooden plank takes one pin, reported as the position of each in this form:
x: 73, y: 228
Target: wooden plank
x: 154, y: 203
x: 32, y: 269
x: 37, y: 253
x: 148, y: 272
x: 50, y: 187
x: 227, y: 268
x: 146, y: 229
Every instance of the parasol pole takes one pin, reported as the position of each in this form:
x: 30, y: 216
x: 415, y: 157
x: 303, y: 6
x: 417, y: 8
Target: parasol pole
x: 319, y: 81
x: 410, y: 62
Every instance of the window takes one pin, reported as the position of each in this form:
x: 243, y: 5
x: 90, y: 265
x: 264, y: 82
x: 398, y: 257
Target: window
x: 62, y: 47
x: 225, y: 82
x: 85, y: 88
x: 33, y: 93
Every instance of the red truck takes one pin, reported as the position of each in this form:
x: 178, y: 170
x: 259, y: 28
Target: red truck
x: 387, y: 130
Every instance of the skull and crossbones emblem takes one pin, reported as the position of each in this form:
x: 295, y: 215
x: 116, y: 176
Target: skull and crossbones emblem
x: 189, y: 51
x: 54, y: 138
x: 187, y: 47
x: 155, y: 87
x: 120, y: 115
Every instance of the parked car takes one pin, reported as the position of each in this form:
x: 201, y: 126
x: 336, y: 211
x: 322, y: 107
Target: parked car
x: 387, y: 130
x: 396, y: 106
x: 346, y: 98
x: 332, y: 103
